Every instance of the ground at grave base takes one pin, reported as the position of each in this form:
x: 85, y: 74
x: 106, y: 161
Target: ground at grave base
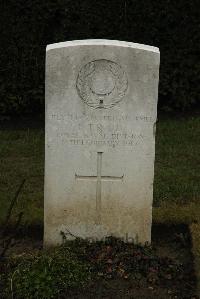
x: 111, y: 269
x: 176, y: 200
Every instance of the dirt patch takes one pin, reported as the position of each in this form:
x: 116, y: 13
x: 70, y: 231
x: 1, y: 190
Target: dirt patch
x: 119, y: 270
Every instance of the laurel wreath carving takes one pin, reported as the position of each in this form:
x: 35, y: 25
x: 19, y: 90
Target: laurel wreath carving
x: 106, y: 100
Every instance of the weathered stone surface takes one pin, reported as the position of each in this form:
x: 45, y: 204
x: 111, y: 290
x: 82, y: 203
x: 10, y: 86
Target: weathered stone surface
x: 101, y: 103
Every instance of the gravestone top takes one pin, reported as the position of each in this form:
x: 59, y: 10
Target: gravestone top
x: 99, y: 42
x: 101, y: 109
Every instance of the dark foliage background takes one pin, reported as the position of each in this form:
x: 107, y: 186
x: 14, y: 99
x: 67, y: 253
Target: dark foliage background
x: 28, y: 26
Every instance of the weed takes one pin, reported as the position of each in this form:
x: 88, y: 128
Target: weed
x: 44, y: 275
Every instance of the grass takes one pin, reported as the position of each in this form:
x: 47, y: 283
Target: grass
x: 22, y: 157
x: 177, y: 176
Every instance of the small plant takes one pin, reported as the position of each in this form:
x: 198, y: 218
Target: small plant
x: 45, y: 275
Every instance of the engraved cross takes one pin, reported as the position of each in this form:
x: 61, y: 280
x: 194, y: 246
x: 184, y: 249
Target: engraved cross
x: 99, y: 178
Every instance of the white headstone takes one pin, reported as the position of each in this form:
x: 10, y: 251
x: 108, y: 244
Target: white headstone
x: 101, y: 105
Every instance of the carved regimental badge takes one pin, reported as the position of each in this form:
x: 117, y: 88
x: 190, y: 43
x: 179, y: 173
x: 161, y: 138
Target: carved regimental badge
x: 101, y: 83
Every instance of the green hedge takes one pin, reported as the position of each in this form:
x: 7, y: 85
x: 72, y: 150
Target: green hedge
x: 28, y: 26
